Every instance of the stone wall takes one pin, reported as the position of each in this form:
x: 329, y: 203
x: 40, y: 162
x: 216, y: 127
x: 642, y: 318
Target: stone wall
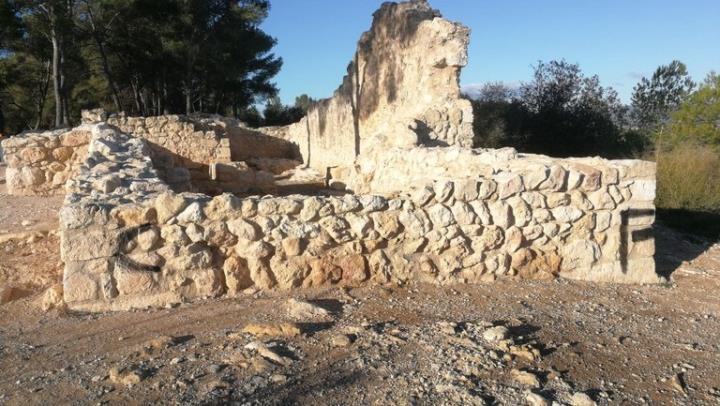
x: 41, y: 163
x: 402, y: 89
x: 128, y: 240
x: 182, y: 149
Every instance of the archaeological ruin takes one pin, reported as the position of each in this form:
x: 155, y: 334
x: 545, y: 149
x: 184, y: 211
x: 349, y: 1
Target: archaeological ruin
x: 380, y: 183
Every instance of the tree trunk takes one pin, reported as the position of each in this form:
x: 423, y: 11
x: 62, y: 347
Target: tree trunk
x: 188, y: 102
x: 2, y: 123
x: 104, y: 60
x: 57, y: 92
x: 40, y: 104
x: 136, y: 96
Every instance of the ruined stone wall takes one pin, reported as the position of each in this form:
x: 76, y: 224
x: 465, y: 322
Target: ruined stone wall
x: 402, y: 89
x: 127, y: 240
x: 41, y: 163
x: 182, y: 149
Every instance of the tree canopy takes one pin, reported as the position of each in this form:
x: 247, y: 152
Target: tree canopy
x: 144, y: 57
x: 698, y: 118
x: 656, y: 97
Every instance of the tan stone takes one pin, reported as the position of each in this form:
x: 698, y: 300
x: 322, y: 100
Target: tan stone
x: 287, y: 330
x: 293, y: 246
x: 168, y: 205
x: 354, y: 269
x: 62, y: 154
x: 237, y: 275
x: 244, y: 229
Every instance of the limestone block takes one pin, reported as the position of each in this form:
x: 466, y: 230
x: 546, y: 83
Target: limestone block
x: 643, y: 190
x: 195, y: 233
x: 513, y: 239
x: 244, y: 229
x: 492, y: 237
x: 129, y: 282
x: 174, y: 234
x: 191, y: 214
x: 487, y: 188
x: 31, y: 155
x: 481, y: 211
x: 79, y: 287
x: 501, y: 213
x: 253, y: 249
x: 168, y: 205
x: 463, y: 213
x: 580, y: 254
x: 237, y: 275
x: 509, y: 184
x: 89, y: 243
x: 443, y: 190
x: 467, y: 190
x: 534, y: 176
x: 566, y: 214
x: 196, y: 256
x: 222, y: 207
x: 422, y: 196
x: 29, y: 176
x: 440, y: 215
x: 218, y: 235
x: 289, y: 273
x: 293, y: 246
x: 261, y: 274
x: 557, y: 179
x: 360, y: 225
x: 522, y: 214
x: 387, y: 224
x: 148, y: 239
x: 373, y: 203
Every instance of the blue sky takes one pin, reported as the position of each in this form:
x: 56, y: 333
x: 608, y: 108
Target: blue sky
x: 618, y: 40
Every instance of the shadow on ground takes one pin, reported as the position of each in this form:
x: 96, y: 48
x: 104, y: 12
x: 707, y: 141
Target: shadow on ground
x: 683, y: 235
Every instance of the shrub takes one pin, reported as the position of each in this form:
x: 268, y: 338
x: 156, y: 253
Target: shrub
x: 689, y: 178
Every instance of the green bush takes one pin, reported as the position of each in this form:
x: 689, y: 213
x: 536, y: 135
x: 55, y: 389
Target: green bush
x: 688, y: 178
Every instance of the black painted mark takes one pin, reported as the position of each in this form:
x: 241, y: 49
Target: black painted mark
x: 634, y: 236
x: 125, y: 237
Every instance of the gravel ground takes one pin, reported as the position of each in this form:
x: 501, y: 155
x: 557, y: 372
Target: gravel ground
x: 504, y: 343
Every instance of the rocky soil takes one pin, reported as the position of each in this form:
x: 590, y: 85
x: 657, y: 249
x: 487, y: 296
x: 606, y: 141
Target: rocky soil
x: 503, y: 343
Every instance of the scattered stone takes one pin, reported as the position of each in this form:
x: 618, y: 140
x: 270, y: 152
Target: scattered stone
x: 533, y: 399
x: 341, y: 340
x: 525, y: 378
x: 302, y: 310
x: 496, y: 334
x: 273, y: 330
x: 127, y: 376
x: 271, y: 354
x: 582, y: 399
x: 678, y: 383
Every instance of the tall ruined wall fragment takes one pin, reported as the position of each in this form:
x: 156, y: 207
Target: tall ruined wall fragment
x: 401, y: 89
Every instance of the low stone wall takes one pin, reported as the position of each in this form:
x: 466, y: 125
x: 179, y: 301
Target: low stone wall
x: 129, y: 241
x: 182, y: 148
x: 41, y: 163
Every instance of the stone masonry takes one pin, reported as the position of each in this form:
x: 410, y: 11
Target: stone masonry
x: 146, y: 223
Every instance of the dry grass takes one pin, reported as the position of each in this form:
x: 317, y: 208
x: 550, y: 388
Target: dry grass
x: 689, y: 178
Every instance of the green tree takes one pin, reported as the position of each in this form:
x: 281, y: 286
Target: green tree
x: 697, y: 120
x: 655, y: 98
x: 570, y: 114
x: 145, y: 57
x: 304, y: 102
x: 276, y: 113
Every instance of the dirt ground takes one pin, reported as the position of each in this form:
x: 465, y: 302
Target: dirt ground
x: 569, y: 342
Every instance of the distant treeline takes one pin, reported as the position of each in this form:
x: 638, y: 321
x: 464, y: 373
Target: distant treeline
x: 144, y: 57
x: 561, y: 112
